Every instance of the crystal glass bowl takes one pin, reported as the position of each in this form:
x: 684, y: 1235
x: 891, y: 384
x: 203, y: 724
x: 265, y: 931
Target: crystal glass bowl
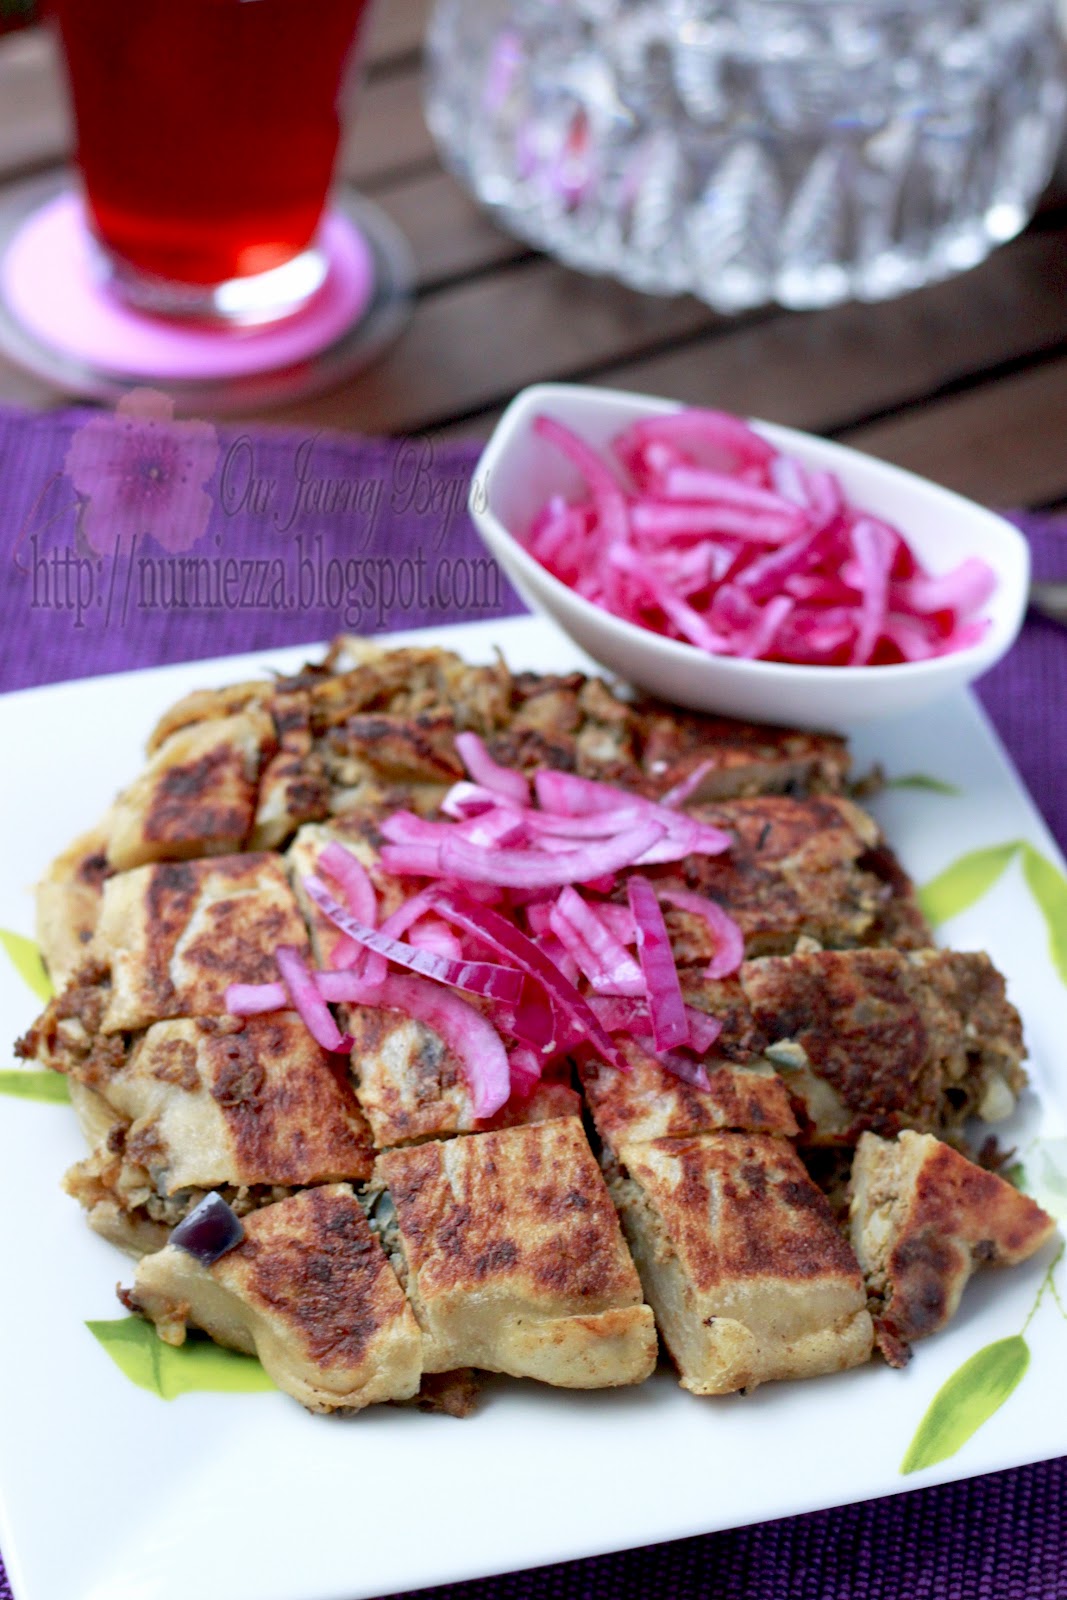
x: 804, y: 151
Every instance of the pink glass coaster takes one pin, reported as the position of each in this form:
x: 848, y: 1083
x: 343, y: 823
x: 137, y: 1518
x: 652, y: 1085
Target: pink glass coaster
x: 52, y: 287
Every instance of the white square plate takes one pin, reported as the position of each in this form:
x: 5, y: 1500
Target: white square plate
x: 109, y: 1493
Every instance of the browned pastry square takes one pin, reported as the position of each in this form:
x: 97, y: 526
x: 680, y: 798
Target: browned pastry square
x: 923, y: 1219
x: 741, y: 1261
x: 308, y: 1290
x: 512, y: 1257
x: 879, y: 1040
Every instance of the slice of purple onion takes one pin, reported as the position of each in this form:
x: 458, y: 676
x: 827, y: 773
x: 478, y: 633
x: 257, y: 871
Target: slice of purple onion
x: 211, y: 1228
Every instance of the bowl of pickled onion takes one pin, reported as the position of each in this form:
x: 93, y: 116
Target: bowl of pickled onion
x: 739, y: 567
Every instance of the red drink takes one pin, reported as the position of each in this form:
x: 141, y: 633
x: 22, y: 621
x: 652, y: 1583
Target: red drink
x: 207, y: 129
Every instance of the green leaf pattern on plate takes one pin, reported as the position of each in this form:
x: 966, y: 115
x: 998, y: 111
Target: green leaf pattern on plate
x: 170, y: 1370
x: 47, y: 1086
x: 1048, y: 886
x: 966, y: 1400
x: 965, y: 881
x: 925, y: 781
x: 25, y: 957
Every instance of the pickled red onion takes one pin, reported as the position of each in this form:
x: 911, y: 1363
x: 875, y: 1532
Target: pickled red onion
x: 670, y: 1025
x: 486, y: 772
x: 476, y: 977
x: 728, y: 939
x: 307, y: 1000
x: 701, y: 530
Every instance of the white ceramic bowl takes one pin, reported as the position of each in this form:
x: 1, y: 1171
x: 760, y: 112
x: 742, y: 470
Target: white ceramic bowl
x: 518, y: 471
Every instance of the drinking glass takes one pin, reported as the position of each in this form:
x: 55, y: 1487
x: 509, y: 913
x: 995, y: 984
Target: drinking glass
x: 207, y: 132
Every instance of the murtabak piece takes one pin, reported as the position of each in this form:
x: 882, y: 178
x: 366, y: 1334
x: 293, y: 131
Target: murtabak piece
x: 741, y: 1261
x: 923, y: 1219
x: 879, y: 1040
x: 511, y: 1254
x: 308, y: 1290
x: 253, y: 1108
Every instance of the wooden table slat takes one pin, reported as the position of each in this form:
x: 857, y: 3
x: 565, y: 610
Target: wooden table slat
x: 839, y: 370
x: 829, y: 370
x: 475, y: 343
x: 449, y: 235
x: 1002, y: 444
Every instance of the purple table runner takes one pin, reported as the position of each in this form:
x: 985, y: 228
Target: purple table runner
x: 130, y: 541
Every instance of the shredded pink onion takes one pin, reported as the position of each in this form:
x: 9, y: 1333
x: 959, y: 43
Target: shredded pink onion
x: 620, y: 1015
x: 308, y: 1001
x: 698, y: 528
x: 431, y: 934
x: 464, y: 1030
x: 455, y: 857
x: 465, y: 800
x: 686, y: 1068
x: 728, y: 938
x: 475, y: 977
x: 486, y: 772
x: 572, y: 1010
x: 670, y: 1025
x: 526, y: 1068
x: 687, y: 786
x: 566, y: 794
x: 252, y: 999
x: 619, y: 920
x: 358, y: 891
x: 601, y: 958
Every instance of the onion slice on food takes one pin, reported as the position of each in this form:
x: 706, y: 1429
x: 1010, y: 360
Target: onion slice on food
x: 307, y: 1000
x: 476, y: 977
x: 573, y: 1012
x: 488, y: 773
x: 729, y: 940
x: 523, y: 869
x: 670, y: 1025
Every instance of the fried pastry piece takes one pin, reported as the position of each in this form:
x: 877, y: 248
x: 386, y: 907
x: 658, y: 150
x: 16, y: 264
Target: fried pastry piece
x: 797, y: 869
x: 374, y: 727
x: 923, y: 1219
x: 308, y: 1290
x: 293, y: 786
x: 411, y: 1085
x: 512, y: 1258
x: 235, y: 1103
x: 879, y: 1040
x: 649, y: 1103
x: 68, y: 902
x: 197, y: 796
x: 175, y: 936
x: 209, y: 705
x: 746, y: 758
x: 900, y: 920
x: 741, y: 1261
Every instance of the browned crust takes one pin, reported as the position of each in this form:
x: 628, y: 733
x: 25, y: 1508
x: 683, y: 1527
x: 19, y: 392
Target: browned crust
x: 289, y: 1105
x: 899, y: 1038
x: 244, y: 909
x: 647, y: 1102
x: 951, y: 1218
x: 526, y: 1207
x: 770, y: 1219
x: 792, y: 871
x: 313, y: 1261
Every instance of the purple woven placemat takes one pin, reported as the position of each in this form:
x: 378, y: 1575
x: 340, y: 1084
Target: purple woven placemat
x: 130, y: 542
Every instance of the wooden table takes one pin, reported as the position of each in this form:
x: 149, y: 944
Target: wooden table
x: 965, y: 382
